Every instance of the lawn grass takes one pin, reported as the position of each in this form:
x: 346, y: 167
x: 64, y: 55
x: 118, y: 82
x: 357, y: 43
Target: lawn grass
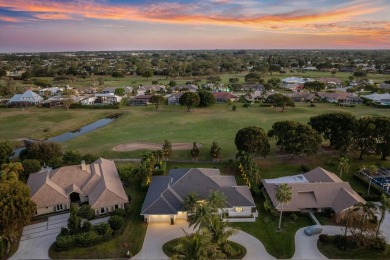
x: 332, y: 252
x: 42, y: 123
x: 133, y: 235
x: 279, y: 244
x: 203, y: 125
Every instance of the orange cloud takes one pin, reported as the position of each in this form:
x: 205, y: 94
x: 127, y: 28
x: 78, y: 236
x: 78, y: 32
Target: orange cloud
x: 9, y: 19
x: 53, y: 16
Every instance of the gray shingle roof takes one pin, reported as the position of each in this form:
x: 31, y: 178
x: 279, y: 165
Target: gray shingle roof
x: 166, y: 193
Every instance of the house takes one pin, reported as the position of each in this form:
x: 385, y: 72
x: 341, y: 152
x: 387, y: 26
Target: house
x: 293, y: 86
x: 302, y: 96
x: 174, y: 98
x: 340, y: 97
x: 164, y: 199
x: 143, y: 90
x: 140, y: 100
x: 333, y: 82
x: 252, y: 88
x: 188, y: 87
x: 109, y: 90
x: 28, y: 98
x: 223, y: 96
x: 108, y: 98
x: 50, y: 91
x: 315, y: 190
x: 97, y: 184
x: 385, y: 86
x: 58, y: 101
x: 293, y: 80
x: 383, y: 99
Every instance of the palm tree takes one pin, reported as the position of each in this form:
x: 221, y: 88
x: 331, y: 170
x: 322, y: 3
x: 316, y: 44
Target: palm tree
x: 283, y: 195
x: 194, y: 246
x: 11, y: 171
x: 368, y: 209
x: 216, y: 200
x: 190, y: 201
x: 220, y: 231
x: 343, y: 165
x: 385, y: 206
x: 202, y: 214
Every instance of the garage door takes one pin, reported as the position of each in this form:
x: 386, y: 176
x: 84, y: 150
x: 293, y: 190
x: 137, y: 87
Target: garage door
x: 160, y: 218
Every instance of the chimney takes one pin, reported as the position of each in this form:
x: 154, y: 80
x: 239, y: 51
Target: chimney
x: 83, y: 166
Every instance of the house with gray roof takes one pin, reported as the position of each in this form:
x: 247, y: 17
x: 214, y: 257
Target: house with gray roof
x: 28, y: 98
x: 315, y: 190
x: 164, y: 200
x: 97, y: 184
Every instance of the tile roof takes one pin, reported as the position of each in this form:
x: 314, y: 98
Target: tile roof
x: 166, y: 193
x: 322, y: 189
x: 99, y: 181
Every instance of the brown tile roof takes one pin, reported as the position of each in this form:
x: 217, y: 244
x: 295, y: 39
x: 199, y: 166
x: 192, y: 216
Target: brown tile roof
x: 323, y: 190
x: 224, y: 95
x: 99, y: 181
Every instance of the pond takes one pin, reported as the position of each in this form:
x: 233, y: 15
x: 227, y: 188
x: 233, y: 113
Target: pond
x: 73, y: 134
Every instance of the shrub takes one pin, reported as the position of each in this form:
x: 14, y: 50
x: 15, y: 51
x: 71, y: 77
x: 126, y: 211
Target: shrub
x: 377, y: 243
x: 119, y: 212
x: 102, y: 228
x: 234, y: 107
x: 116, y: 222
x: 87, y: 239
x: 294, y: 217
x: 86, y: 227
x: 324, y: 238
x: 64, y: 232
x: 86, y: 212
x: 270, y: 208
x: 65, y: 242
x: 345, y: 243
x: 247, y: 105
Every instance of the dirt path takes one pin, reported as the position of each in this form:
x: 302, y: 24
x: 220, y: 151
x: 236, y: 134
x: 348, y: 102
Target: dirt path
x: 151, y: 146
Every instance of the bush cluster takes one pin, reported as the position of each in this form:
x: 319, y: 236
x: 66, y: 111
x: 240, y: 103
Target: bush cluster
x: 86, y: 212
x: 98, y: 233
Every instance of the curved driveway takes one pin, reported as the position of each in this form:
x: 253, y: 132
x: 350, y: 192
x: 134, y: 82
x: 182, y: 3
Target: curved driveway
x: 158, y: 234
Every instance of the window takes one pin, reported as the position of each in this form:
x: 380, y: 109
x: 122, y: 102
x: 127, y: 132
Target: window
x: 238, y: 209
x: 60, y: 207
x: 116, y: 206
x: 102, y: 210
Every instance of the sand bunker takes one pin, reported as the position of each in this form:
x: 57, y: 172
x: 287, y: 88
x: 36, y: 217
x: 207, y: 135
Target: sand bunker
x: 151, y: 146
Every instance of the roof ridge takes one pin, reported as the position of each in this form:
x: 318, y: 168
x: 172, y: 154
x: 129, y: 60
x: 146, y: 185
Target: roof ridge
x: 168, y: 203
x: 174, y: 193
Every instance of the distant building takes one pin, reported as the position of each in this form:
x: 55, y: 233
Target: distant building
x: 28, y: 98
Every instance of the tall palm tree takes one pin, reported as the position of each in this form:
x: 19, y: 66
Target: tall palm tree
x: 216, y: 200
x: 194, y: 246
x: 11, y: 171
x: 368, y: 209
x: 283, y: 195
x: 202, y: 214
x: 385, y: 206
x: 343, y: 165
x: 220, y: 232
x: 190, y: 201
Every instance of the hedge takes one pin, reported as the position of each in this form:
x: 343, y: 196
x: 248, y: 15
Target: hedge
x: 97, y: 234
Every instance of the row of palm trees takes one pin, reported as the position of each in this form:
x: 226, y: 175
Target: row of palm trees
x: 210, y: 239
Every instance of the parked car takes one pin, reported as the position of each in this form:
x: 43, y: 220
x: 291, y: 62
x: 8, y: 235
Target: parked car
x: 313, y: 230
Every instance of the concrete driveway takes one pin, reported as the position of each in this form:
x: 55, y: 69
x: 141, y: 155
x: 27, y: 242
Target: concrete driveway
x: 306, y: 246
x: 37, y: 238
x: 158, y: 234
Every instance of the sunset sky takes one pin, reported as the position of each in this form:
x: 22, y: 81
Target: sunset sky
x: 75, y: 25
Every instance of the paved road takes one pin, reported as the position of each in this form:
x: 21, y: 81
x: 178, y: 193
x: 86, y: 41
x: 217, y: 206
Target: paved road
x: 37, y: 238
x: 158, y: 234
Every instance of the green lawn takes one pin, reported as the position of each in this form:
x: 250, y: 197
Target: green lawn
x: 42, y: 123
x: 203, y: 125
x: 279, y: 244
x: 133, y: 235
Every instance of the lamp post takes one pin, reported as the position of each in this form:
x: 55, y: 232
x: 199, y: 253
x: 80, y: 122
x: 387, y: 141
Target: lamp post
x: 369, y: 186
